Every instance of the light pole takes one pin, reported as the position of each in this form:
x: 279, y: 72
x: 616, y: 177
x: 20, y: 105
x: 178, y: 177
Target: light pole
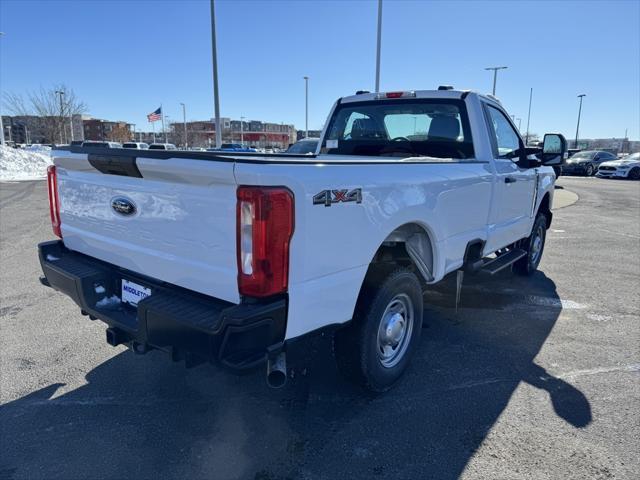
x: 519, y: 123
x: 61, y: 93
x: 242, y: 130
x: 495, y: 76
x: 134, y: 131
x: 184, y: 122
x: 166, y: 117
x: 216, y: 99
x: 306, y: 107
x: 378, y: 46
x: 579, y: 112
x: 526, y: 138
x: 1, y: 126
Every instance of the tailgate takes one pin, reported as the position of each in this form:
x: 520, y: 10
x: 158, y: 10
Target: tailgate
x: 174, y: 223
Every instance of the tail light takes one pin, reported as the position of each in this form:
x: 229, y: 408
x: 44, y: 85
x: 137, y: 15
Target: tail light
x: 54, y: 201
x: 264, y: 229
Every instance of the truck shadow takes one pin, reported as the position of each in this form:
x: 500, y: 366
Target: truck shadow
x: 146, y: 418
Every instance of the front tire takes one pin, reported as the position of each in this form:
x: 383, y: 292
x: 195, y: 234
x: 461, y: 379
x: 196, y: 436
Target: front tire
x: 534, y: 246
x: 589, y: 170
x: 375, y: 349
x: 634, y: 174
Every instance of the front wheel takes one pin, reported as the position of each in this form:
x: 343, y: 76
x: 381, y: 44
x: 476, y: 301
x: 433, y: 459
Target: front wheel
x: 375, y: 349
x: 634, y: 174
x: 534, y: 246
x: 589, y: 170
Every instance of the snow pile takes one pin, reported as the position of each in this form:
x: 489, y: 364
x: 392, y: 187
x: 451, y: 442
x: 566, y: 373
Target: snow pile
x: 16, y: 164
x: 39, y: 149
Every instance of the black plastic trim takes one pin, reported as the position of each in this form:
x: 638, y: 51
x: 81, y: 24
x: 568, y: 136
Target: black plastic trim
x: 188, y: 325
x: 115, y: 164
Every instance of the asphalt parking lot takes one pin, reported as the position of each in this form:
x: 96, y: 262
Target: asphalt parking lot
x: 531, y: 378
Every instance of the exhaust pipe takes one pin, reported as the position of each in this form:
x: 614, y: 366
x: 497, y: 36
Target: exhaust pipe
x: 277, y: 370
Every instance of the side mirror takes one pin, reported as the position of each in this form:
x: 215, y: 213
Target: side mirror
x: 554, y: 149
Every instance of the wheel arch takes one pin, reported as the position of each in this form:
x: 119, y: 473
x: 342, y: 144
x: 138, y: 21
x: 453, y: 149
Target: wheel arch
x: 545, y: 208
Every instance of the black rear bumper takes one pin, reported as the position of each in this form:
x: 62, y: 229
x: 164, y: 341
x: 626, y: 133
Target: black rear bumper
x: 186, y: 324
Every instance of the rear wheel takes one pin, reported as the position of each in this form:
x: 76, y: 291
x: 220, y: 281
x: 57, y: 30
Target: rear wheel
x: 375, y: 349
x: 534, y: 246
x: 634, y: 174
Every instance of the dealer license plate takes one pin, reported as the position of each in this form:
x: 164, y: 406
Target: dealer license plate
x: 132, y: 292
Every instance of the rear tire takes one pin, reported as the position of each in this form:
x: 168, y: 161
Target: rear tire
x: 534, y: 246
x: 375, y: 349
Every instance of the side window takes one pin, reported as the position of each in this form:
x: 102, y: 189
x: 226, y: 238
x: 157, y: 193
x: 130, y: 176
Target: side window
x: 507, y: 140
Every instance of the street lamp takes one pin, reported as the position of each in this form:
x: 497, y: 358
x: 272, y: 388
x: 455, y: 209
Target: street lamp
x: 526, y: 141
x: 495, y: 76
x: 61, y: 93
x: 242, y: 130
x: 166, y: 118
x: 306, y: 107
x: 216, y: 99
x: 378, y: 46
x: 184, y: 122
x: 1, y: 127
x: 519, y: 123
x: 579, y: 112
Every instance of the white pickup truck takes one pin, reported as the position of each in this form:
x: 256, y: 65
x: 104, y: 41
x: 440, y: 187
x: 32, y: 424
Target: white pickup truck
x: 234, y: 258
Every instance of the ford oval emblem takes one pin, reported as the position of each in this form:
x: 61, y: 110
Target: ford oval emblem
x: 123, y: 206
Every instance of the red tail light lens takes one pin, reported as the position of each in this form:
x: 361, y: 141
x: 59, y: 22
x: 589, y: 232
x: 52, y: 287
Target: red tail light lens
x: 54, y: 201
x: 264, y: 228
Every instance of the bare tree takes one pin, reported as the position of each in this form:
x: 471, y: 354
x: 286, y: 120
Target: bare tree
x: 54, y: 106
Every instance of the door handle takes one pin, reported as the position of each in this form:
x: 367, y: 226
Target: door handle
x: 510, y: 180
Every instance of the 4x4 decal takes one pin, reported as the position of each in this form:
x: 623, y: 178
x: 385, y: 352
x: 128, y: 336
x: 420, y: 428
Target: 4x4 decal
x: 328, y: 197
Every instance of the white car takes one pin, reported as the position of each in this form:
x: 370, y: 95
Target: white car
x: 238, y: 258
x: 136, y: 145
x: 626, y: 167
x: 162, y: 146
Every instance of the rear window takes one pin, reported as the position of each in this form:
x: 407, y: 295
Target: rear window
x: 156, y: 147
x: 130, y: 145
x: 401, y: 128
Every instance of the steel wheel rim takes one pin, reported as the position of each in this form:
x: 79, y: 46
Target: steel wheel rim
x: 394, y: 331
x: 536, y: 245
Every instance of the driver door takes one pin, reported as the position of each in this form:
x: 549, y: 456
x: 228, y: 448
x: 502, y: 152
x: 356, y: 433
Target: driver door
x: 515, y: 186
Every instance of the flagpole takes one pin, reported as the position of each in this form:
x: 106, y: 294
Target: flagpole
x: 164, y: 132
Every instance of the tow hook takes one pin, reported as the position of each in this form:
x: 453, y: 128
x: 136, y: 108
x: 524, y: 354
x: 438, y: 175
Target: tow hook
x: 277, y: 370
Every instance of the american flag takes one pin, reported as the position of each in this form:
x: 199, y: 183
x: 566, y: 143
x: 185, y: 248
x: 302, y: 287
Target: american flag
x: 155, y: 116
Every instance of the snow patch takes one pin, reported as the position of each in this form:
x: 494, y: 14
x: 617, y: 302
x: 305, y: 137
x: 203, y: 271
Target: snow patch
x: 17, y: 164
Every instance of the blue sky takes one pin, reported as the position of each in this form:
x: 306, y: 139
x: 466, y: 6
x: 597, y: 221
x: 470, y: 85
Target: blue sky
x: 124, y: 58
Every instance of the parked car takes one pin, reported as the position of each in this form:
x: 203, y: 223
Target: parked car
x: 76, y: 143
x: 162, y: 146
x: 243, y: 258
x: 626, y: 167
x: 136, y: 145
x: 304, y: 146
x: 586, y: 162
x: 94, y: 144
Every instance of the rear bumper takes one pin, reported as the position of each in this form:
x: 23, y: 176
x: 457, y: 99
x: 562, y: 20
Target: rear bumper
x: 186, y: 324
x: 574, y: 168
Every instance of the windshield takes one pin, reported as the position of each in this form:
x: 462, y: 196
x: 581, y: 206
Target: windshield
x: 584, y: 155
x: 401, y: 128
x: 157, y: 147
x: 303, y: 147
